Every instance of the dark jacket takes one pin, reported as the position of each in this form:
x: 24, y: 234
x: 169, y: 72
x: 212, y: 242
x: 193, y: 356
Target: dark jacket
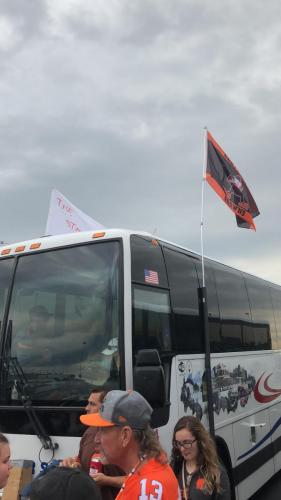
x: 196, y: 487
x: 86, y: 450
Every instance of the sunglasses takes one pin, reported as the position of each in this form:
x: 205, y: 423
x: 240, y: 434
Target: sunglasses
x: 185, y: 444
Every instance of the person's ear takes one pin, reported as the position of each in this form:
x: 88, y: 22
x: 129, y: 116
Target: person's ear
x: 126, y: 435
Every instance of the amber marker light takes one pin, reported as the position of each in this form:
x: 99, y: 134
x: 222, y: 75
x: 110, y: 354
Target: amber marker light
x: 6, y: 251
x: 34, y: 246
x: 101, y: 234
x: 20, y: 249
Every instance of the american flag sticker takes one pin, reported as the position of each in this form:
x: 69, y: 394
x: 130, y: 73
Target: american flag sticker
x: 151, y: 277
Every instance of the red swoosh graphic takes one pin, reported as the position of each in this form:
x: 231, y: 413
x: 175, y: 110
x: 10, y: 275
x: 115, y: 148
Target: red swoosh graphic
x: 262, y: 398
x: 269, y: 389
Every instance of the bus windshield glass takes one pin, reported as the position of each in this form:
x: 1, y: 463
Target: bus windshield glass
x: 64, y: 323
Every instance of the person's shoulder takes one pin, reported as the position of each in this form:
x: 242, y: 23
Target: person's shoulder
x: 225, y: 485
x: 157, y: 465
x: 161, y: 472
x: 59, y: 480
x: 224, y: 473
x: 151, y: 483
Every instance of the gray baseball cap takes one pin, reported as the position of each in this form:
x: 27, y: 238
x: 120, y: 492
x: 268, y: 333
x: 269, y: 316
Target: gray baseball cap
x: 121, y: 408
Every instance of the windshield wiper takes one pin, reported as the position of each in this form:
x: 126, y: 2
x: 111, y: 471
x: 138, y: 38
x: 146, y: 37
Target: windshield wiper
x: 21, y: 385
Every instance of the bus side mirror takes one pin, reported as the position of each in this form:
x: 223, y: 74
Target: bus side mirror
x: 149, y: 378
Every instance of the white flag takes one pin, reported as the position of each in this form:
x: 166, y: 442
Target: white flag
x: 64, y: 217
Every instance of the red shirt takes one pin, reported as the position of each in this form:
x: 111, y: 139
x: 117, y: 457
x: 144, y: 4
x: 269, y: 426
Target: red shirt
x: 154, y: 481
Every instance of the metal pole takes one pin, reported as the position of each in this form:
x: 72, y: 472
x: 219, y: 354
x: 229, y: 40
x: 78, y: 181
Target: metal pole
x: 204, y: 304
x: 208, y: 374
x: 202, y: 201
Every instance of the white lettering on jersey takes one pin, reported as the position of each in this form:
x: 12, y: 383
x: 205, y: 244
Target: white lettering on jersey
x: 143, y: 495
x: 157, y: 494
x: 158, y: 490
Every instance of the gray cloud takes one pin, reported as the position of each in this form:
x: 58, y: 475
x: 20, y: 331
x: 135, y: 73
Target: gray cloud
x: 106, y: 101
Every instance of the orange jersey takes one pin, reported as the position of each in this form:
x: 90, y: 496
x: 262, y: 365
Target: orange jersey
x: 153, y: 481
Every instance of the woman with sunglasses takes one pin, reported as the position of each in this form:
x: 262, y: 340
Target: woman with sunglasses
x: 195, y: 463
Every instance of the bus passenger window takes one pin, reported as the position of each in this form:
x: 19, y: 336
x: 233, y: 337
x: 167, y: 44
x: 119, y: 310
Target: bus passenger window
x: 262, y: 313
x: 147, y: 261
x: 183, y: 281
x: 234, y: 308
x: 276, y: 301
x: 151, y: 319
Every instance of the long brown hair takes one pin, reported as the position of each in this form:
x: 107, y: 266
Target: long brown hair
x: 207, y: 459
x: 149, y: 444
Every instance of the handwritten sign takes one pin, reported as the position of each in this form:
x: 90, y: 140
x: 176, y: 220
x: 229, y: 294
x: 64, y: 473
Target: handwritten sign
x: 64, y: 217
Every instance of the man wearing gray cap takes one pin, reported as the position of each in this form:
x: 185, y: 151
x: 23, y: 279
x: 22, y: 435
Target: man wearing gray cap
x: 127, y: 440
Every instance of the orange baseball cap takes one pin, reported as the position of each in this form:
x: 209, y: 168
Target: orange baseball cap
x: 121, y: 408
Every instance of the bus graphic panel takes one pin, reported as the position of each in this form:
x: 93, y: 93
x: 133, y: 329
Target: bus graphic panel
x: 239, y: 391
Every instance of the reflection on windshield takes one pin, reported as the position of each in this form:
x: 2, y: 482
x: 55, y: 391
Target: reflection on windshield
x: 64, y: 321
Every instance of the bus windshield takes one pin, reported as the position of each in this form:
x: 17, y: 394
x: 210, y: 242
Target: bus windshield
x: 64, y: 323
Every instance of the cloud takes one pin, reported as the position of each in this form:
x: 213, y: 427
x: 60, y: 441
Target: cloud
x: 8, y: 37
x: 107, y: 101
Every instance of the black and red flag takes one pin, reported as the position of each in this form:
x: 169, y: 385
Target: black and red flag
x: 225, y: 179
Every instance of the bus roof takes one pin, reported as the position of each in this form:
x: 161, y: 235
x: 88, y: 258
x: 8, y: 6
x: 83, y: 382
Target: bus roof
x: 69, y: 239
x: 62, y: 240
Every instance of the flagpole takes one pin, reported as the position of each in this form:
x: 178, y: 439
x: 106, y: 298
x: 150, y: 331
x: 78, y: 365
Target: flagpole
x: 204, y: 305
x: 202, y: 202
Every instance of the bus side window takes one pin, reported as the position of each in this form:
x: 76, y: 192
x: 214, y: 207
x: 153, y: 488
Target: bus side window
x: 151, y: 319
x: 236, y: 325
x: 276, y: 300
x: 262, y: 313
x: 150, y: 296
x: 148, y: 265
x: 184, y: 285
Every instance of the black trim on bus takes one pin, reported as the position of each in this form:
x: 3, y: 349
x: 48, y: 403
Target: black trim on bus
x: 251, y: 465
x: 149, y: 285
x: 7, y: 308
x: 122, y: 314
x: 5, y: 330
x: 179, y: 249
x: 56, y: 421
x: 67, y: 409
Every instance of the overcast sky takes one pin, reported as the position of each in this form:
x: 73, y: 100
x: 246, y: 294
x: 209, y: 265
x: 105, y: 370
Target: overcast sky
x: 106, y: 101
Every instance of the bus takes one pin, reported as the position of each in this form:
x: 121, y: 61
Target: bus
x: 121, y: 309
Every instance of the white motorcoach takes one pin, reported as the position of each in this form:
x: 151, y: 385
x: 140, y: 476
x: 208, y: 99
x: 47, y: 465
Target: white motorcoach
x: 120, y: 309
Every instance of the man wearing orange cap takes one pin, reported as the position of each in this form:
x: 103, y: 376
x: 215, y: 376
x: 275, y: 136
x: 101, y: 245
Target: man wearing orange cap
x: 128, y: 441
x: 112, y: 477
